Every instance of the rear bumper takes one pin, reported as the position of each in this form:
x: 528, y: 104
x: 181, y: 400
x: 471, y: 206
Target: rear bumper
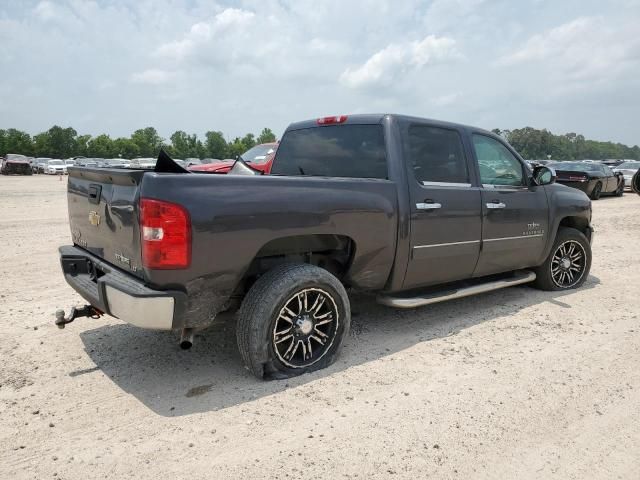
x: 120, y: 294
x: 586, y: 187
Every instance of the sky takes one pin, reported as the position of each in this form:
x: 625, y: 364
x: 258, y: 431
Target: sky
x: 113, y: 66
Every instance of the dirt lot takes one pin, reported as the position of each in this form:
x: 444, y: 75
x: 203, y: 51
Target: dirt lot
x: 511, y: 384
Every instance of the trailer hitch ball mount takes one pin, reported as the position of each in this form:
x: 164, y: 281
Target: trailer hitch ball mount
x: 76, y: 312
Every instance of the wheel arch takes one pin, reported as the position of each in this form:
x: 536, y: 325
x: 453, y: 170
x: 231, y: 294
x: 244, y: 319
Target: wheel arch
x: 332, y: 252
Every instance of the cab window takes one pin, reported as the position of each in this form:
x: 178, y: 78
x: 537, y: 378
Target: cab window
x: 436, y: 155
x: 498, y: 166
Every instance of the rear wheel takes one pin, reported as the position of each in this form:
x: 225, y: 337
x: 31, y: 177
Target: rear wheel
x: 568, y: 263
x: 620, y: 190
x: 293, y: 320
x: 596, y: 192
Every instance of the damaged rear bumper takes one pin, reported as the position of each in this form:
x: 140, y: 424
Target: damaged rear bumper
x: 119, y: 294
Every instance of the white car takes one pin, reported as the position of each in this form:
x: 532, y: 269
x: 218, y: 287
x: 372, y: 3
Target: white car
x: 628, y: 169
x: 56, y: 167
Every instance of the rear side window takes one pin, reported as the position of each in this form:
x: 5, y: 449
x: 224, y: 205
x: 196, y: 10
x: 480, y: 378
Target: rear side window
x: 355, y: 151
x: 436, y: 155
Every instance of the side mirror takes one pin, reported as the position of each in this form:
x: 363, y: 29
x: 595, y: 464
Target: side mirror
x: 544, y: 175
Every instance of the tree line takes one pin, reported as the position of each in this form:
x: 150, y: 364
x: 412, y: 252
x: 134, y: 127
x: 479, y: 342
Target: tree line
x: 532, y: 144
x: 58, y: 142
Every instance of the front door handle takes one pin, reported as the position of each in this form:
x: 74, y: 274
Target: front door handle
x: 494, y: 205
x: 428, y: 206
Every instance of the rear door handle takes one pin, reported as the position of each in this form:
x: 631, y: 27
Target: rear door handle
x: 494, y: 205
x: 428, y: 206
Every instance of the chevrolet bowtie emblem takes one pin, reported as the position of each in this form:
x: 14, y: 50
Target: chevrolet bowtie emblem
x: 94, y: 218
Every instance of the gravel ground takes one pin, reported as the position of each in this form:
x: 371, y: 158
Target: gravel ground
x: 511, y: 384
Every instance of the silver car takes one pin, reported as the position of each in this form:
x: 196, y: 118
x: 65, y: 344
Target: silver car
x: 628, y: 169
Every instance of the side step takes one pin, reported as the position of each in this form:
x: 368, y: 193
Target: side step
x: 517, y: 278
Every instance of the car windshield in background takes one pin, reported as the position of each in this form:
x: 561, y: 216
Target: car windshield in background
x: 258, y: 154
x: 629, y: 166
x: 576, y: 167
x: 333, y: 151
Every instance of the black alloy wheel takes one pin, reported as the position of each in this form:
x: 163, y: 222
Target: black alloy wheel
x: 568, y: 264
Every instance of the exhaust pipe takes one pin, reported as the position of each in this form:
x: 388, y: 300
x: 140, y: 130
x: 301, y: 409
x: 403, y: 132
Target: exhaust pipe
x: 186, y: 338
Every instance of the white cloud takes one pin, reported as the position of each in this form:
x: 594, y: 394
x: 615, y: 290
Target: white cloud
x: 201, y: 33
x: 153, y: 77
x: 385, y: 65
x: 584, y: 49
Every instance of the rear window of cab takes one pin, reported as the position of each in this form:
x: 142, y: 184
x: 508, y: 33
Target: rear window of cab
x: 351, y: 151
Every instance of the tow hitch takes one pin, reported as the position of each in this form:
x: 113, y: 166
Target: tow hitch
x: 86, y: 311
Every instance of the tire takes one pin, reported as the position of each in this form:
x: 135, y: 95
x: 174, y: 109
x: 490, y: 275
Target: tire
x: 620, y: 190
x: 276, y: 344
x: 596, y: 192
x: 554, y: 274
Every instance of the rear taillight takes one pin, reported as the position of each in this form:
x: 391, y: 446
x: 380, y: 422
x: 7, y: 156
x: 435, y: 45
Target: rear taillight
x: 332, y: 120
x: 577, y: 178
x: 165, y: 231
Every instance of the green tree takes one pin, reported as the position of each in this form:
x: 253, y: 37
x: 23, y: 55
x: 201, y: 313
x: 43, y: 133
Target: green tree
x: 215, y: 145
x: 40, y: 145
x: 17, y: 141
x: 100, y: 147
x: 81, y: 148
x: 184, y: 145
x: 148, y: 141
x: 3, y: 142
x: 267, y: 136
x: 249, y: 141
x: 62, y: 141
x: 236, y: 148
x: 126, y: 148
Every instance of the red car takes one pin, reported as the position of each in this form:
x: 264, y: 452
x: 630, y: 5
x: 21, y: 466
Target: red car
x: 259, y: 157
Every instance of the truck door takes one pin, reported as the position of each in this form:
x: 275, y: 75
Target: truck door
x: 514, y: 214
x: 445, y: 207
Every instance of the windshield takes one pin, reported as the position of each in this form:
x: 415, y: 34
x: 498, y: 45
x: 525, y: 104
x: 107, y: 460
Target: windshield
x: 55, y: 162
x: 629, y: 165
x: 576, y: 167
x: 258, y: 154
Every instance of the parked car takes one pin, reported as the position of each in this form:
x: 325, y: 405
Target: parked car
x: 394, y: 205
x: 69, y: 162
x: 56, y: 167
x: 117, y: 163
x: 41, y: 164
x: 594, y: 179
x: 259, y: 158
x: 145, y: 163
x: 628, y: 170
x: 15, y: 164
x: 612, y: 163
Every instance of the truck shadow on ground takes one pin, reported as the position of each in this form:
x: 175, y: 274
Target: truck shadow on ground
x: 172, y: 382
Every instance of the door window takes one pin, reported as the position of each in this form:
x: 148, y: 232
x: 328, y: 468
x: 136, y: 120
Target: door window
x: 498, y: 166
x: 436, y: 155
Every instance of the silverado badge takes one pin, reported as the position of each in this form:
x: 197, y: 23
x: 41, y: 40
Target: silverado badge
x: 94, y: 218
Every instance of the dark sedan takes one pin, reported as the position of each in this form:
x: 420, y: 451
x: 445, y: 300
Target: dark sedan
x: 594, y: 179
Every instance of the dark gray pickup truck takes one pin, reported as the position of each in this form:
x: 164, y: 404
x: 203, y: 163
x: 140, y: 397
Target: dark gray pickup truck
x: 416, y: 210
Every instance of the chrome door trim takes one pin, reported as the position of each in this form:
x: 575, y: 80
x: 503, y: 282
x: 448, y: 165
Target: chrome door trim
x: 513, y: 238
x: 468, y: 242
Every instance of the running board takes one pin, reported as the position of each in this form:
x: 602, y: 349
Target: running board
x: 518, y: 278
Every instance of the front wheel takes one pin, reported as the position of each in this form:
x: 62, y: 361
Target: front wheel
x: 568, y: 263
x: 293, y: 320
